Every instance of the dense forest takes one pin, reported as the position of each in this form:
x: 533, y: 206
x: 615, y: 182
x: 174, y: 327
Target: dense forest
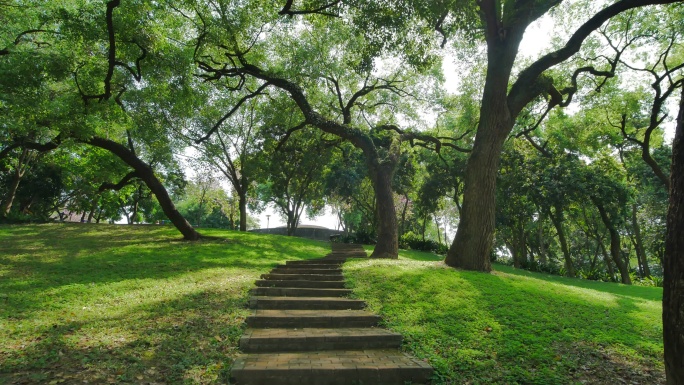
x: 561, y: 161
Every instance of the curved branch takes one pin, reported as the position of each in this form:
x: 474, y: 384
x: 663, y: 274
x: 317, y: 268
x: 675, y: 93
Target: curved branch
x: 523, y: 90
x: 287, y: 9
x: 232, y: 111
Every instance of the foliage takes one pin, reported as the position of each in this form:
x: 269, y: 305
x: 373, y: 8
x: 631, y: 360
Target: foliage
x: 413, y: 241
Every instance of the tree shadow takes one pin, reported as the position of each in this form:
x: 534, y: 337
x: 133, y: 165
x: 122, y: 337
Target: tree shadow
x: 40, y: 265
x: 511, y: 329
x: 192, y: 338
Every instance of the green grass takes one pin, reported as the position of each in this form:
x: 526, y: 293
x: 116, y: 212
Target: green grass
x: 135, y: 304
x: 122, y: 304
x: 513, y: 326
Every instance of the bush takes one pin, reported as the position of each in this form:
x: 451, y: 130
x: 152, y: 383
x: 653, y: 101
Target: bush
x: 415, y: 242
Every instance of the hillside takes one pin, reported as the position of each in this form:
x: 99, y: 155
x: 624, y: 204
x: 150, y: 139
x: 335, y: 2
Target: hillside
x: 120, y: 304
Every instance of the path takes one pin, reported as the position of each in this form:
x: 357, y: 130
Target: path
x: 305, y: 331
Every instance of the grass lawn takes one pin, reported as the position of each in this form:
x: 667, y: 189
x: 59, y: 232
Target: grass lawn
x: 513, y: 326
x: 135, y: 304
x: 127, y: 304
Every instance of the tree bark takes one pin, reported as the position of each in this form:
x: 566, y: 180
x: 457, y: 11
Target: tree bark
x: 474, y: 238
x: 673, y: 264
x: 387, y: 229
x: 146, y: 174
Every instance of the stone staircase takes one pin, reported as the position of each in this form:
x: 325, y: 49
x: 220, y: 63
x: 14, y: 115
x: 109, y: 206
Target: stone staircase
x: 305, y: 331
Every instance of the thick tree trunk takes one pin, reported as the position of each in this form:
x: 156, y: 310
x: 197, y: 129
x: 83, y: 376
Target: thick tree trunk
x: 388, y: 236
x: 472, y: 244
x: 243, y: 210
x: 474, y: 238
x: 614, y: 244
x: 557, y: 220
x: 673, y: 264
x: 639, y: 243
x: 146, y: 174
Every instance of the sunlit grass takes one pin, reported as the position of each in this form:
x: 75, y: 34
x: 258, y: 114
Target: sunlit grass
x: 128, y: 304
x: 515, y: 327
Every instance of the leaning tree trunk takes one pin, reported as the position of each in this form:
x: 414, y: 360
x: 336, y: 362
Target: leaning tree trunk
x: 639, y: 243
x: 557, y: 221
x: 673, y: 264
x: 614, y: 244
x: 388, y: 235
x: 146, y: 174
x: 22, y: 164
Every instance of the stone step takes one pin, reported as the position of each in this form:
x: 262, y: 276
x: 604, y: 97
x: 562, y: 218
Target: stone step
x: 299, y: 292
x: 307, y: 271
x: 319, y: 261
x: 305, y: 303
x: 323, y: 266
x: 312, y: 339
x: 339, y: 367
x: 303, y: 277
x: 300, y: 284
x: 263, y: 318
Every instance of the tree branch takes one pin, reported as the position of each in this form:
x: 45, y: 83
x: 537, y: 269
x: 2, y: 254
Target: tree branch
x: 287, y: 9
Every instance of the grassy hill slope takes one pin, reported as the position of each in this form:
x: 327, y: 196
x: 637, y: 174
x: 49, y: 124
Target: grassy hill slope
x: 516, y: 327
x: 135, y: 304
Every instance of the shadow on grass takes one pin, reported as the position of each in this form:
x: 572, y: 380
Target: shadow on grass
x: 192, y: 338
x: 39, y: 264
x: 505, y: 329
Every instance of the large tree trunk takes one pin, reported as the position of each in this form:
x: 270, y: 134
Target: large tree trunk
x: 474, y: 238
x: 614, y: 243
x: 146, y: 174
x: 557, y: 220
x: 472, y: 244
x: 388, y: 235
x: 673, y: 264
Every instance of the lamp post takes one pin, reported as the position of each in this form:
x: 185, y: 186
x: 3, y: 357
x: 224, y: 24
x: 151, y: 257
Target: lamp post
x: 268, y: 220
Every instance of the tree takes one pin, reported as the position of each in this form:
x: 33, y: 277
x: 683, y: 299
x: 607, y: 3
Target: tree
x: 293, y: 176
x: 502, y: 103
x: 92, y: 96
x: 673, y: 289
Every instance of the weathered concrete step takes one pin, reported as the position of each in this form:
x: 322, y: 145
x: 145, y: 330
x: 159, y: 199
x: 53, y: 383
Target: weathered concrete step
x: 300, y: 284
x: 299, y: 292
x: 305, y: 303
x: 312, y: 339
x: 304, y: 277
x: 319, y: 261
x: 263, y: 318
x: 307, y: 271
x: 381, y: 367
x: 323, y: 266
